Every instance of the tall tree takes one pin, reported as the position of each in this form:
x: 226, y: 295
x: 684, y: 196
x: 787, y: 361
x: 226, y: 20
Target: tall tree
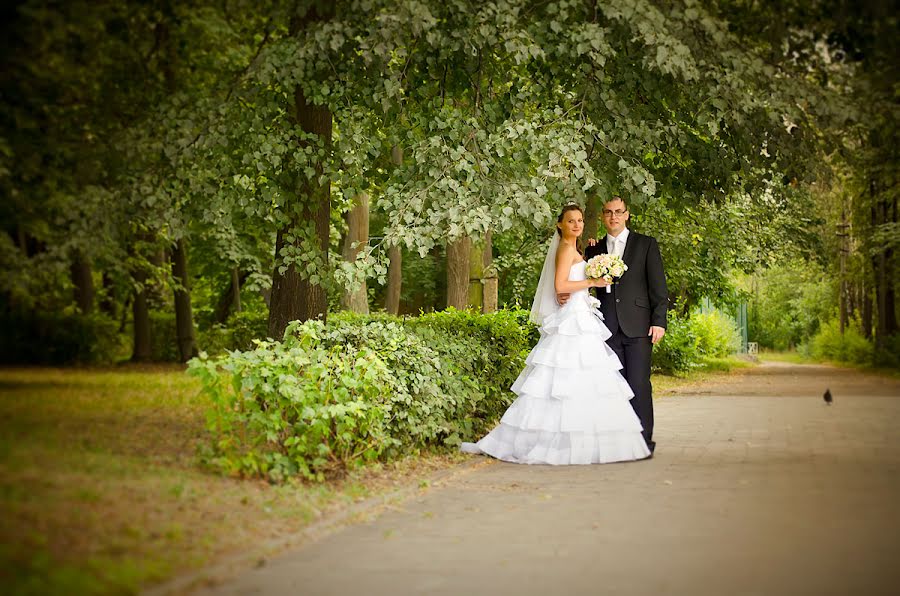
x: 458, y: 257
x: 307, y: 216
x: 357, y: 300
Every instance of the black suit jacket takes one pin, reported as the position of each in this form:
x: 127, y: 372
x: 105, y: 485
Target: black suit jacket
x: 640, y: 298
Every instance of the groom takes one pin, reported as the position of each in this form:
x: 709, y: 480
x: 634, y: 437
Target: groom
x: 635, y: 310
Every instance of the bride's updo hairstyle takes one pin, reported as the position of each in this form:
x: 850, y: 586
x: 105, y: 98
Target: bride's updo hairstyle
x: 570, y: 207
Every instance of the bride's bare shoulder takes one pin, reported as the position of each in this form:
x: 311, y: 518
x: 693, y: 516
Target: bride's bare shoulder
x: 565, y: 254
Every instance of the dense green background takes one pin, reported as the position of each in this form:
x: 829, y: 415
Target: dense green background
x: 154, y: 156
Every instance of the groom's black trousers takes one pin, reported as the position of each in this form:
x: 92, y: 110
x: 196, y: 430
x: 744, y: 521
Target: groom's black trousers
x: 634, y: 354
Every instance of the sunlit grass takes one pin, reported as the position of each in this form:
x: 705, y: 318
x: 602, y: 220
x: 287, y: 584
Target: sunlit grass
x: 790, y: 357
x: 710, y: 369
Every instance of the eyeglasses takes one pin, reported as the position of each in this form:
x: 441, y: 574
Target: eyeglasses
x: 617, y: 212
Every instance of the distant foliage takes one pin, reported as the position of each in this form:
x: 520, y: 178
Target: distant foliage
x: 677, y: 352
x: 237, y: 333
x: 889, y: 357
x: 717, y: 334
x: 788, y: 303
x: 360, y: 388
x: 28, y: 337
x: 163, y: 337
x: 851, y: 347
x: 689, y: 341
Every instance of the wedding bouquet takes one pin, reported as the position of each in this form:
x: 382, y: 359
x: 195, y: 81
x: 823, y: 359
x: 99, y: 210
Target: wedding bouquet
x: 606, y: 266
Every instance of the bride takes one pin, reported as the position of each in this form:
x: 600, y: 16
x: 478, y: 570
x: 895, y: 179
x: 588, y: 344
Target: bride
x: 572, y: 402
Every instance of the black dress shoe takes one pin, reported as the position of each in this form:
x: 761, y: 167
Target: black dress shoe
x: 651, y: 445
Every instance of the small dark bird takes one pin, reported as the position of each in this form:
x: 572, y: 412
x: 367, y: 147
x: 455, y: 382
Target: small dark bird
x: 827, y: 397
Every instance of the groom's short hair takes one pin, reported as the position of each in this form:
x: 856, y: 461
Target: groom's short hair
x: 619, y: 199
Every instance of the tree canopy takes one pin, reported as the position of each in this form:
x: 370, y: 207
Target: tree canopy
x: 242, y: 134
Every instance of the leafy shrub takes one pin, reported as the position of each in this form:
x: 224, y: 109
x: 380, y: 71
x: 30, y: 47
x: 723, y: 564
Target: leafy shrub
x: 29, y: 337
x: 359, y: 388
x: 678, y: 351
x: 717, y: 334
x: 294, y: 407
x: 788, y: 303
x: 851, y: 347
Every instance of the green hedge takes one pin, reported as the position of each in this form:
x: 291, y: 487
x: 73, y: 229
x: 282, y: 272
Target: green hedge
x: 360, y: 388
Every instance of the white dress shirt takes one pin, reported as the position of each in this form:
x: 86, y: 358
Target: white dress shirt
x: 615, y: 245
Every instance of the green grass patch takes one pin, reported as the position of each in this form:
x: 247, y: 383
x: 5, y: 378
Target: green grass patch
x: 790, y: 357
x: 101, y: 490
x: 709, y: 370
x: 793, y: 357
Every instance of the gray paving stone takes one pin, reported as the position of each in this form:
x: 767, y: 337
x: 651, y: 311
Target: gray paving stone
x: 757, y: 488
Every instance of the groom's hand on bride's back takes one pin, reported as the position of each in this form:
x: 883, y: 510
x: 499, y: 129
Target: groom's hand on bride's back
x: 562, y: 298
x: 592, y: 242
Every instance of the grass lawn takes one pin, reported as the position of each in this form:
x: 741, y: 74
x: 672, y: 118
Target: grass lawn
x: 101, y: 491
x: 711, y: 369
x: 789, y: 357
x: 797, y: 358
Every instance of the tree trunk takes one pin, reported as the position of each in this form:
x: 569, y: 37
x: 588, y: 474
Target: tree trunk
x: 884, y: 282
x: 866, y: 301
x: 890, y: 300
x: 22, y: 240
x: 227, y: 301
x: 141, y: 315
x: 82, y: 279
x: 458, y: 272
x: 395, y: 257
x: 108, y: 296
x: 184, y: 316
x: 476, y: 276
x: 357, y: 233
x: 490, y: 276
x: 395, y: 280
x: 295, y: 297
x: 843, y: 298
x: 591, y: 214
x: 236, y: 289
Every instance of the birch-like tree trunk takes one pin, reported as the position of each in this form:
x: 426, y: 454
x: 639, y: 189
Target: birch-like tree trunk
x: 458, y: 272
x: 356, y: 240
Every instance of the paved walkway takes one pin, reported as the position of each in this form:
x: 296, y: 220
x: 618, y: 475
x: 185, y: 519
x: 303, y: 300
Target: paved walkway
x: 757, y: 487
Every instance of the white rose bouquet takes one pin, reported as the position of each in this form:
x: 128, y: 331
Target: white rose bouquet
x: 606, y: 266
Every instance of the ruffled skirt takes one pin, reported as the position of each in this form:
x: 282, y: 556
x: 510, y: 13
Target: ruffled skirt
x: 572, y: 404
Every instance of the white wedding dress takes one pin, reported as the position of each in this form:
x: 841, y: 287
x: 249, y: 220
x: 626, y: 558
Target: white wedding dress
x: 572, y: 404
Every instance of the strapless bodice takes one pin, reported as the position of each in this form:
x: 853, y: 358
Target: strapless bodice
x: 576, y: 272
